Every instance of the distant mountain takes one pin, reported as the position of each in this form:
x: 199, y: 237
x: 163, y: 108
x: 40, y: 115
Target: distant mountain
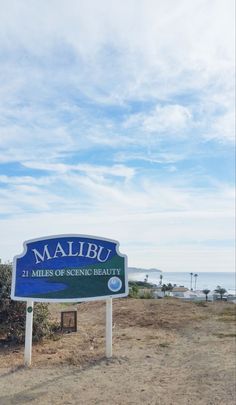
x: 140, y: 270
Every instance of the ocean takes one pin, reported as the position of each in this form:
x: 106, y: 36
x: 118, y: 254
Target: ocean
x: 208, y: 280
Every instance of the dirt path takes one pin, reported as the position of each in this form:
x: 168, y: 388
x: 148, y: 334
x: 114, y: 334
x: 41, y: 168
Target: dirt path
x: 165, y: 352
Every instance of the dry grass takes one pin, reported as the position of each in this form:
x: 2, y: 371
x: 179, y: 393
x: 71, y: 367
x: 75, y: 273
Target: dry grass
x: 162, y: 349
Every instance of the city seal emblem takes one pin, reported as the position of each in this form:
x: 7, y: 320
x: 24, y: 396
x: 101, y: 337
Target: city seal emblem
x: 114, y: 284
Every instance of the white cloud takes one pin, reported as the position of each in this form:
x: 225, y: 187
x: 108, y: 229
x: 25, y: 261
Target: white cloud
x: 19, y: 143
x: 150, y: 156
x: 149, y: 240
x: 150, y: 49
x: 223, y: 128
x: 23, y: 180
x: 159, y: 225
x: 112, y: 54
x: 86, y: 80
x: 112, y: 189
x: 87, y: 169
x: 169, y: 119
x: 20, y: 197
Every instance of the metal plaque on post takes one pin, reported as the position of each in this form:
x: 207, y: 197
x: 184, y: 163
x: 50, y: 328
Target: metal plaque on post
x: 69, y: 321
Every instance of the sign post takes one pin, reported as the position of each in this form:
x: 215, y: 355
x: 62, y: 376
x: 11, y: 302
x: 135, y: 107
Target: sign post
x: 109, y: 327
x: 28, y: 332
x: 69, y: 268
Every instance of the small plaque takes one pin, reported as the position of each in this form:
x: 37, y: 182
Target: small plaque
x: 69, y: 321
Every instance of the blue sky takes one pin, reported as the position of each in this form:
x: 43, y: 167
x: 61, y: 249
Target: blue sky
x: 117, y: 120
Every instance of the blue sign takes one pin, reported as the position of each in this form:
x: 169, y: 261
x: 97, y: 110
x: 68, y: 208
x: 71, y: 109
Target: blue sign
x: 69, y: 268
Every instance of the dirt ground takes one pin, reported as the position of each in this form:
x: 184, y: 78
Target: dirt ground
x: 165, y: 352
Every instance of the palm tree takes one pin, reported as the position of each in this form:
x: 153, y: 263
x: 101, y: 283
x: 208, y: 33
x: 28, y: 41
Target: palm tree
x: 195, y: 276
x: 191, y: 282
x: 146, y: 279
x: 220, y: 290
x: 164, y: 288
x: 169, y: 287
x: 206, y: 292
x: 161, y: 277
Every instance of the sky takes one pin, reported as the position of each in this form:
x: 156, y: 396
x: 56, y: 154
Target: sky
x: 117, y: 120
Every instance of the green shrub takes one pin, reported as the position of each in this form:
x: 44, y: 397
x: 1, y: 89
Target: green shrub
x: 133, y: 292
x: 13, y: 313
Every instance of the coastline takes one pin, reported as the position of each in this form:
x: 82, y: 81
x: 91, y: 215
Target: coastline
x: 208, y: 280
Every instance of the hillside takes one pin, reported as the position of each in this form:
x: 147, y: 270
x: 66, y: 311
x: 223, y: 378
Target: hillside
x: 164, y: 352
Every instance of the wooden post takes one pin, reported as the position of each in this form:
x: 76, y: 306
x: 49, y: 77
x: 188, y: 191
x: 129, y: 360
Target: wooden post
x: 109, y: 327
x: 28, y: 332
